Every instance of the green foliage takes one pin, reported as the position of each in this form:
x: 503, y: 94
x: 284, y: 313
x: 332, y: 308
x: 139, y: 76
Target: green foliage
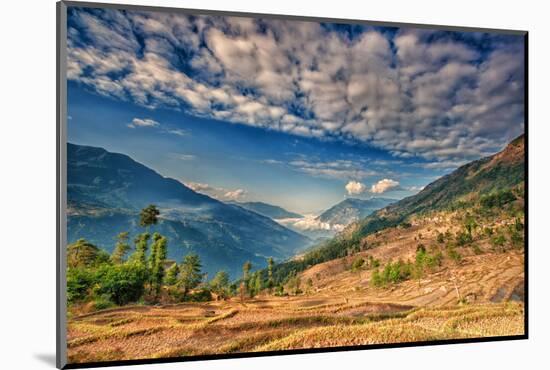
x: 149, y: 216
x: 200, y: 295
x: 294, y: 284
x: 454, y: 255
x: 172, y: 273
x: 470, y: 224
x: 157, y: 260
x: 122, y: 284
x: 357, y: 264
x: 497, y: 199
x: 270, y: 281
x: 498, y: 242
x: 393, y: 272
x: 84, y: 254
x: 220, y: 283
x: 463, y: 238
x: 142, y: 245
x: 79, y: 283
x: 121, y: 248
x: 190, y: 273
x: 247, y: 266
x: 102, y: 303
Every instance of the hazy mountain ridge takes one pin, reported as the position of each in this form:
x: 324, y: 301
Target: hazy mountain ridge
x: 502, y: 171
x: 107, y: 190
x: 268, y: 210
x: 353, y: 209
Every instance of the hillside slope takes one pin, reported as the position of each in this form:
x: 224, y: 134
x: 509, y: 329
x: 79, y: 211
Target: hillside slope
x: 107, y: 190
x: 464, y: 187
x: 352, y: 209
x: 268, y: 210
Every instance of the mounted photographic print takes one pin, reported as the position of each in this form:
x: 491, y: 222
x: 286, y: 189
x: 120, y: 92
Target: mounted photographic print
x: 235, y: 185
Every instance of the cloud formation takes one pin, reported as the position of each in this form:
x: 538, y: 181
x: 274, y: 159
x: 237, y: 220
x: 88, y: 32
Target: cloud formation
x: 384, y: 185
x: 219, y: 193
x: 355, y: 187
x: 143, y: 122
x: 437, y: 95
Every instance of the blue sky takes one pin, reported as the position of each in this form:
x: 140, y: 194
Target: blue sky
x: 298, y: 114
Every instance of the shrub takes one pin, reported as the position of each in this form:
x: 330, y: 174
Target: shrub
x: 357, y: 264
x: 454, y: 255
x: 102, y: 302
x: 199, y: 295
x: 497, y: 199
x: 498, y: 242
x: 463, y: 238
x: 79, y: 283
x: 122, y: 283
x: 440, y: 238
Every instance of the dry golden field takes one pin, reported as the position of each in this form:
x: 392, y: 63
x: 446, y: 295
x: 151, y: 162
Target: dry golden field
x: 479, y: 296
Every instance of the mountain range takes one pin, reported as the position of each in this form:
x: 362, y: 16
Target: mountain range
x: 464, y: 187
x: 353, y: 209
x: 268, y: 210
x: 106, y: 191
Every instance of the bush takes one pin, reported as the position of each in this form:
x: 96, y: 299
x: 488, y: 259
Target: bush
x: 440, y: 238
x: 392, y: 273
x: 497, y: 199
x: 200, y: 295
x: 357, y: 264
x: 122, y: 284
x: 102, y: 303
x: 463, y: 238
x: 454, y: 255
x: 79, y: 284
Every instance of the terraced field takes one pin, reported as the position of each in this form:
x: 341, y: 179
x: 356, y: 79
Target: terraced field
x: 481, y: 295
x: 276, y: 324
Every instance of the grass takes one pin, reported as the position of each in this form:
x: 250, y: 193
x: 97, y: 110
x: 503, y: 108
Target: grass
x: 248, y: 329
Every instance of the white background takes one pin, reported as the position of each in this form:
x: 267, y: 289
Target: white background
x: 27, y: 213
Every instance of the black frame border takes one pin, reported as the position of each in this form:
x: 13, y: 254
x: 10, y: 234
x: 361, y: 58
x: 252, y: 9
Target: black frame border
x: 61, y: 121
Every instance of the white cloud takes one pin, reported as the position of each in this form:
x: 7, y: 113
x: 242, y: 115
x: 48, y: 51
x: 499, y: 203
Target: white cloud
x: 310, y: 223
x: 219, y: 193
x: 384, y: 185
x: 234, y: 194
x: 355, y: 187
x: 143, y: 122
x: 423, y: 94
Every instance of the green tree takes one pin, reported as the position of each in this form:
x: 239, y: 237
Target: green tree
x: 470, y: 224
x: 247, y: 266
x: 149, y: 216
x: 84, y: 254
x: 157, y: 262
x: 220, y: 283
x: 142, y: 245
x: 190, y: 273
x: 122, y: 283
x: 121, y: 248
x: 270, y: 282
x: 172, y: 273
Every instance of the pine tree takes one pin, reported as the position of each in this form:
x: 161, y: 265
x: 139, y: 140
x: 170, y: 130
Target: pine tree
x: 157, y: 260
x: 172, y: 273
x: 270, y: 282
x: 149, y: 216
x: 121, y: 248
x: 190, y: 273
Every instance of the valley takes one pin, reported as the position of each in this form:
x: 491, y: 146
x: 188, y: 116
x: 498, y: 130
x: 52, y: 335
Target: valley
x: 433, y: 266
